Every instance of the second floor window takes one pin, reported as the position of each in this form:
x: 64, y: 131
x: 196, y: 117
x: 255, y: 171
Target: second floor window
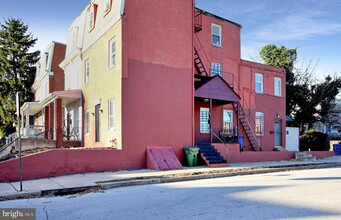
x: 216, y: 35
x: 259, y: 83
x: 112, y: 53
x: 278, y: 86
x: 216, y: 69
x: 87, y: 71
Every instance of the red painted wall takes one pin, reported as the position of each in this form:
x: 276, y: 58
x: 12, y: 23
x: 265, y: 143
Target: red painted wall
x: 241, y: 76
x: 267, y: 103
x: 228, y: 54
x: 60, y: 162
x: 157, y: 78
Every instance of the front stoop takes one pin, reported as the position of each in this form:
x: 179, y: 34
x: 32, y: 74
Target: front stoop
x: 304, y: 156
x: 211, y: 156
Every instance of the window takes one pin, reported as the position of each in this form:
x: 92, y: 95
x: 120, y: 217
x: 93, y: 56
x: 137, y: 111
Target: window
x: 87, y: 121
x: 259, y: 123
x: 278, y: 86
x: 107, y: 6
x: 204, y: 120
x: 87, y: 71
x: 46, y: 60
x: 92, y: 20
x: 259, y: 83
x: 216, y: 69
x: 112, y: 53
x: 216, y: 35
x: 111, y: 111
x: 92, y: 16
x: 227, y: 120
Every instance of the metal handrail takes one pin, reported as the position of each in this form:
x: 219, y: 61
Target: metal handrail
x: 212, y: 132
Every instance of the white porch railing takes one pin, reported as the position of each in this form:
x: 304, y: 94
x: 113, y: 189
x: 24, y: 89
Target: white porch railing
x: 33, y: 131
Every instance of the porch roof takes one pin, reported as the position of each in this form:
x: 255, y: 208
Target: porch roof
x: 32, y: 107
x: 217, y: 88
x: 68, y: 96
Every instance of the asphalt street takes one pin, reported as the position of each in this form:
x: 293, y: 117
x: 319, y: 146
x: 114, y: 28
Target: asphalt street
x: 304, y: 194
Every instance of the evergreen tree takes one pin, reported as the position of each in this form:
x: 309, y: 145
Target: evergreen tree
x: 17, y: 70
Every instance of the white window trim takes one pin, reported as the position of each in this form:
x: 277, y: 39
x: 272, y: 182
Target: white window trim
x: 262, y: 83
x: 220, y: 35
x: 278, y: 82
x: 216, y: 64
x: 202, y: 131
x: 231, y: 113
x: 87, y: 71
x: 261, y: 114
x: 112, y: 115
x: 86, y: 122
x: 111, y: 53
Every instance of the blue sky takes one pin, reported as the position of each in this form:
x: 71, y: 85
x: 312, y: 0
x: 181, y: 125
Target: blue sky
x: 311, y: 26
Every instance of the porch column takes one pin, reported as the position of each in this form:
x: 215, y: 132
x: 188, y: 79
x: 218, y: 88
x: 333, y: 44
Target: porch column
x: 51, y: 121
x: 59, y: 123
x: 28, y: 118
x: 54, y: 120
x: 238, y: 120
x: 210, y: 118
x: 22, y: 120
x: 46, y: 122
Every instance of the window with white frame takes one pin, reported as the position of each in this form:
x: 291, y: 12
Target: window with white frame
x: 278, y: 86
x: 112, y: 53
x: 107, y: 6
x: 87, y: 122
x: 92, y: 16
x: 259, y: 83
x: 92, y: 19
x: 87, y: 71
x: 227, y: 120
x: 216, y: 35
x: 259, y: 123
x: 216, y: 69
x: 111, y: 112
x: 204, y: 120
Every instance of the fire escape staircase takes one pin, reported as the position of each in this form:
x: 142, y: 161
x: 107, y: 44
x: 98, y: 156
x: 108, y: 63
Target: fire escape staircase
x: 199, y: 65
x: 255, y: 145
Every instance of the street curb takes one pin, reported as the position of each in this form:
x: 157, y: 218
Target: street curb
x: 104, y: 185
x: 209, y: 175
x: 21, y: 195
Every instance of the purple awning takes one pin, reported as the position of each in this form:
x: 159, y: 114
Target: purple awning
x: 216, y: 88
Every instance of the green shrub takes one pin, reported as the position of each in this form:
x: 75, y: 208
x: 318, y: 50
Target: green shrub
x: 314, y: 140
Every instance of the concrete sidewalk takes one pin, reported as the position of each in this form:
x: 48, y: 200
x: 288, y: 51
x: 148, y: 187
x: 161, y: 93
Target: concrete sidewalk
x: 77, y: 183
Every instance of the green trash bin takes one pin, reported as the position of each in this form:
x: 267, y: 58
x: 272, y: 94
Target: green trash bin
x: 191, y: 155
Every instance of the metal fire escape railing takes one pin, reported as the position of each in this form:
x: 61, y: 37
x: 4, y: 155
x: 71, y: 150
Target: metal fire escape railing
x: 197, y: 21
x: 243, y: 118
x: 199, y: 65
